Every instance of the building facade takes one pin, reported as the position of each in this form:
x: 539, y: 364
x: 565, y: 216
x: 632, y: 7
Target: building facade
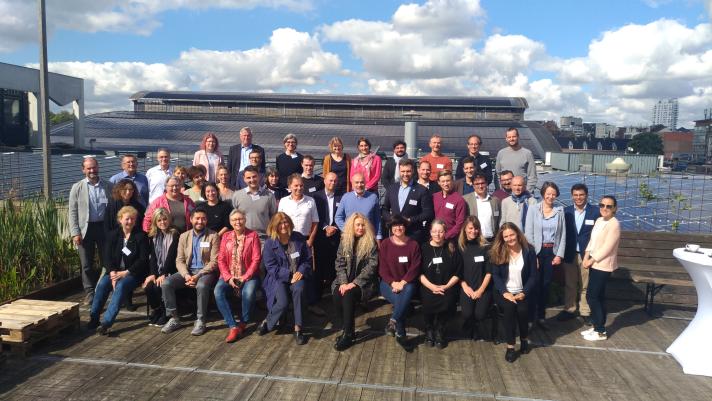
x: 665, y: 113
x: 571, y: 124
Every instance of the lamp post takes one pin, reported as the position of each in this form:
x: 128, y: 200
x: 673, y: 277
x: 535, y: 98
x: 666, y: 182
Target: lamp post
x: 411, y: 131
x: 44, y: 103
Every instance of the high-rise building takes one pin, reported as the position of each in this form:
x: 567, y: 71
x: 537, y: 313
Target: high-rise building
x: 665, y: 113
x: 571, y: 124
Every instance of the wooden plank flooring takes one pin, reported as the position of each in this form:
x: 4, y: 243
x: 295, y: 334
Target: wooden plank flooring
x: 137, y: 362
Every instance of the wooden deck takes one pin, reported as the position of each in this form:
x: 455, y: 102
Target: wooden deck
x: 137, y: 362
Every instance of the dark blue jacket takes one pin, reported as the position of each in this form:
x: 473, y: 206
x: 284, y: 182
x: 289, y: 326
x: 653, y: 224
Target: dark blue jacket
x: 500, y: 273
x: 277, y: 264
x: 418, y: 208
x: 574, y: 236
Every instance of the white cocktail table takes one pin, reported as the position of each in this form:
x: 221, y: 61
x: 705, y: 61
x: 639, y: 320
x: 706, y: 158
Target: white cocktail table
x: 692, y: 348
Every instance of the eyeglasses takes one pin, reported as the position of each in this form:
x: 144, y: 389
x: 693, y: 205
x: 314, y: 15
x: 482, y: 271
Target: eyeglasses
x: 604, y: 206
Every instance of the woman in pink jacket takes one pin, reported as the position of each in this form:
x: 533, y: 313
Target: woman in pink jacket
x: 601, y: 259
x: 174, y: 201
x: 209, y: 156
x: 367, y: 163
x: 238, y: 260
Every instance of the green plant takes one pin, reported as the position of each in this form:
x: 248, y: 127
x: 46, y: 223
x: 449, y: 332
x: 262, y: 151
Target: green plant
x: 35, y: 249
x: 645, y: 192
x: 675, y: 225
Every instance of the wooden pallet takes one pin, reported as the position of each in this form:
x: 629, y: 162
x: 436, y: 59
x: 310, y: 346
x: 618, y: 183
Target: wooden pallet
x: 27, y: 321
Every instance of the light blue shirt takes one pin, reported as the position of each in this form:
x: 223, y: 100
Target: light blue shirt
x: 580, y: 217
x: 403, y: 192
x: 98, y: 200
x: 548, y: 229
x: 245, y: 156
x: 366, y: 205
x: 196, y: 263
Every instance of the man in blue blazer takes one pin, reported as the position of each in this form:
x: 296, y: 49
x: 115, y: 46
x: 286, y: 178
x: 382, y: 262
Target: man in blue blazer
x: 327, y: 237
x: 580, y: 218
x: 411, y: 201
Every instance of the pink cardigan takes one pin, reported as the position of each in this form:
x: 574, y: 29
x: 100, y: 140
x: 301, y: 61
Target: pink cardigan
x: 375, y: 171
x: 201, y: 157
x: 251, y: 255
x: 603, y: 246
x: 162, y: 201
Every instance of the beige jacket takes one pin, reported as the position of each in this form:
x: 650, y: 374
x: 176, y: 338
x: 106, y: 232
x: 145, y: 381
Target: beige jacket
x: 210, y: 254
x: 603, y: 246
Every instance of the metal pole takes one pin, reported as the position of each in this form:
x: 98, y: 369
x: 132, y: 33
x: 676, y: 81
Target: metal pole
x: 44, y: 103
x: 411, y: 133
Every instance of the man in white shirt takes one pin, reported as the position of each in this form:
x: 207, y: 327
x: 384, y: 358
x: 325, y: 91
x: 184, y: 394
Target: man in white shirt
x: 157, y: 175
x: 300, y: 208
x: 484, y: 206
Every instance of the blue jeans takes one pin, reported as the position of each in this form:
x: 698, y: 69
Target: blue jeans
x: 596, y: 297
x: 223, y: 292
x: 400, y: 302
x: 124, y: 289
x: 537, y: 306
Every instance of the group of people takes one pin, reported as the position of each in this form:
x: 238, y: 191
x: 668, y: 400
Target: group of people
x: 232, y: 227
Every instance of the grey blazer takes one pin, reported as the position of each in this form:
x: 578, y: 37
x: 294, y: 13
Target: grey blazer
x: 471, y: 200
x: 79, y: 205
x: 533, y: 230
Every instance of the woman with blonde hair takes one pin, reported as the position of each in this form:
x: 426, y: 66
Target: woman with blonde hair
x: 514, y: 271
x: 288, y: 262
x: 209, y: 156
x: 339, y: 163
x: 356, y: 273
x: 475, y: 294
x: 163, y: 240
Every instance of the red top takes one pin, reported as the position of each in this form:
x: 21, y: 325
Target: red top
x: 437, y: 164
x: 251, y: 255
x: 399, y: 262
x: 451, y: 209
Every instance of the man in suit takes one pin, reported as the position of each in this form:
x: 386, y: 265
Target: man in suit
x: 481, y: 162
x: 484, y: 206
x: 238, y: 156
x: 465, y: 185
x: 88, y: 199
x: 391, y: 173
x: 424, y: 178
x: 410, y: 200
x: 327, y: 236
x: 579, y: 218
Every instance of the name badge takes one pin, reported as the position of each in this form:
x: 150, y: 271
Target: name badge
x: 449, y: 205
x: 589, y: 222
x: 294, y: 156
x: 254, y: 197
x: 294, y: 255
x: 496, y: 213
x: 402, y: 259
x: 336, y: 204
x: 126, y: 251
x: 204, y: 244
x: 437, y: 261
x: 413, y: 202
x: 425, y: 223
x: 483, y: 165
x: 439, y: 165
x: 312, y: 189
x: 479, y: 258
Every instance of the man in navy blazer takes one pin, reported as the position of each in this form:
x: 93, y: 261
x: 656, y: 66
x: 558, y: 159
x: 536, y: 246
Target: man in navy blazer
x: 239, y: 154
x: 580, y: 218
x: 411, y: 201
x: 327, y: 236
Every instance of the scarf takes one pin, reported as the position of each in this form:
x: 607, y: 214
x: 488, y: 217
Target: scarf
x: 236, y: 265
x: 365, y: 162
x: 162, y: 243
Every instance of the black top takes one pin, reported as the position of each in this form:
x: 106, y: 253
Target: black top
x: 312, y: 185
x: 475, y: 264
x: 339, y: 168
x: 278, y: 192
x: 218, y: 215
x: 112, y: 210
x: 433, y: 187
x: 483, y: 165
x: 136, y: 262
x: 439, y: 274
x: 233, y: 162
x: 287, y: 165
x: 169, y: 265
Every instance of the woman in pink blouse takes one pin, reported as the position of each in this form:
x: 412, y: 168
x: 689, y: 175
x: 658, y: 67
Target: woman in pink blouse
x: 209, y: 156
x: 367, y: 163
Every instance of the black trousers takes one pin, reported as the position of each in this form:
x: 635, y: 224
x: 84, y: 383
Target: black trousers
x: 345, y: 306
x: 514, y: 315
x: 435, y: 321
x: 324, y: 273
x: 153, y: 295
x: 474, y: 311
x: 92, y: 242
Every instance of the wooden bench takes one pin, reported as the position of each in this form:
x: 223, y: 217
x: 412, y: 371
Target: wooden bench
x: 646, y: 258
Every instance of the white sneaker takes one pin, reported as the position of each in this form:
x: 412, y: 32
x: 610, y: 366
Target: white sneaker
x: 587, y: 331
x: 595, y: 336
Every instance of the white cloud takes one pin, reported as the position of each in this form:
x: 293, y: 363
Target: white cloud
x: 18, y: 26
x: 441, y: 19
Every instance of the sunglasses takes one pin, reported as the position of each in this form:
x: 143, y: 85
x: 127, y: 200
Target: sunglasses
x: 604, y: 206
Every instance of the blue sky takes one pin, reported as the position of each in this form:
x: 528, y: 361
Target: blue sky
x: 642, y: 50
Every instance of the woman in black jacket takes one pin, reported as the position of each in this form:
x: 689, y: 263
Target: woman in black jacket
x: 475, y: 293
x: 163, y: 240
x: 514, y: 272
x: 124, y: 193
x: 126, y: 262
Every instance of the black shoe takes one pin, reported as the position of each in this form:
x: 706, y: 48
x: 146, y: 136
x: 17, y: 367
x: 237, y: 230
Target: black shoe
x: 511, y: 355
x: 564, y: 316
x: 344, y: 342
x: 403, y: 342
x: 524, y: 347
x: 130, y: 305
x: 587, y: 320
x: 429, y: 338
x: 263, y: 329
x: 102, y: 330
x: 391, y: 328
x: 93, y: 324
x: 440, y: 341
x: 153, y: 317
x: 300, y: 338
x: 161, y: 320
